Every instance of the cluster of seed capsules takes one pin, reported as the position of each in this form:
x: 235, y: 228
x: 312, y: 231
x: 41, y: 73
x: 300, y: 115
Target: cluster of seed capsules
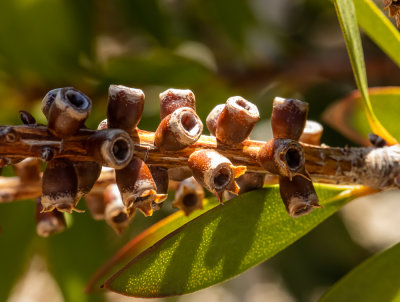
x: 144, y: 187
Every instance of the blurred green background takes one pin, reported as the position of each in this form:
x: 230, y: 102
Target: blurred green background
x: 257, y: 49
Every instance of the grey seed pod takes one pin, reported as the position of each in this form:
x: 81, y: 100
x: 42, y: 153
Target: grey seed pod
x: 87, y: 172
x: 236, y: 121
x: 111, y: 147
x: 124, y: 107
x: 95, y: 204
x: 48, y: 223
x: 312, y: 133
x: 212, y: 118
x: 288, y: 118
x: 28, y: 170
x: 116, y: 214
x: 59, y: 186
x: 189, y: 196
x: 68, y: 112
x: 172, y: 99
x: 178, y: 130
x: 215, y: 172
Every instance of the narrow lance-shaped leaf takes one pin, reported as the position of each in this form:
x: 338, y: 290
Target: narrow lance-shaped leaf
x: 222, y: 243
x: 348, y: 21
x: 377, y: 279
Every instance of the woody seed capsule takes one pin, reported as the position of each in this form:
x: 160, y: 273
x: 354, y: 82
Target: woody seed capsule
x: 28, y: 170
x: 87, y: 172
x: 212, y: 118
x: 48, y: 223
x: 172, y: 99
x: 312, y: 133
x: 68, y: 112
x: 111, y: 147
x: 236, y: 120
x: 125, y: 107
x: 48, y: 101
x: 288, y: 118
x: 160, y: 177
x: 59, y: 186
x: 137, y: 187
x: 215, y: 172
x: 189, y: 196
x: 179, y: 173
x: 178, y: 130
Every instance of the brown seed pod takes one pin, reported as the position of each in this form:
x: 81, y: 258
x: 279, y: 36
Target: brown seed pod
x: 312, y: 133
x: 212, y: 118
x: 59, y: 186
x: 28, y: 170
x: 48, y: 223
x: 116, y: 214
x: 68, y: 112
x: 179, y: 173
x: 189, y: 196
x: 283, y: 157
x: 298, y: 195
x: 95, y: 204
x: 137, y: 187
x: 48, y: 101
x: 236, y: 120
x: 247, y: 182
x: 178, y: 130
x: 87, y: 172
x: 288, y: 118
x: 26, y: 118
x: 124, y: 107
x: 111, y: 147
x: 160, y: 177
x: 215, y: 172
x: 172, y: 99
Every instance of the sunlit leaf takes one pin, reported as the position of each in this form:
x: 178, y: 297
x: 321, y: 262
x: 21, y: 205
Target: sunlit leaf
x: 222, y: 243
x: 348, y: 117
x: 377, y: 279
x: 348, y: 21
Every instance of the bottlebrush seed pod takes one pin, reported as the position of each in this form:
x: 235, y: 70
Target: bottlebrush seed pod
x: 116, y: 214
x: 215, y: 172
x: 247, y: 182
x: 189, y: 196
x: 48, y: 223
x: 172, y: 99
x: 178, y: 130
x: 282, y: 156
x: 28, y: 170
x: 59, y: 186
x: 111, y: 147
x: 124, y: 107
x: 160, y: 177
x: 48, y: 101
x: 312, y: 133
x: 95, y: 205
x: 179, y: 173
x: 68, y: 112
x: 236, y: 120
x: 87, y: 172
x: 212, y: 118
x: 137, y: 186
x: 298, y: 195
x: 288, y: 118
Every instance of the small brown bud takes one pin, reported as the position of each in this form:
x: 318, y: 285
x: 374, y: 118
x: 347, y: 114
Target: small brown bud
x: 28, y: 170
x: 312, y: 133
x: 27, y: 118
x: 137, y: 186
x: 95, y: 205
x: 59, y: 186
x: 111, y: 147
x: 178, y: 130
x: 160, y: 177
x: 68, y: 112
x: 48, y: 101
x: 298, y: 195
x: 288, y: 118
x: 236, y: 120
x: 172, y: 99
x: 48, y: 223
x: 179, y: 173
x: 189, y: 196
x: 87, y: 172
x: 125, y: 107
x: 283, y: 157
x: 215, y: 172
x: 116, y: 214
x: 212, y: 118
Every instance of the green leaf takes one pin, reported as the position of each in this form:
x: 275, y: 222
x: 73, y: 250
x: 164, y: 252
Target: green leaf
x: 348, y: 21
x: 378, y: 27
x: 347, y: 115
x: 221, y: 243
x: 377, y: 279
